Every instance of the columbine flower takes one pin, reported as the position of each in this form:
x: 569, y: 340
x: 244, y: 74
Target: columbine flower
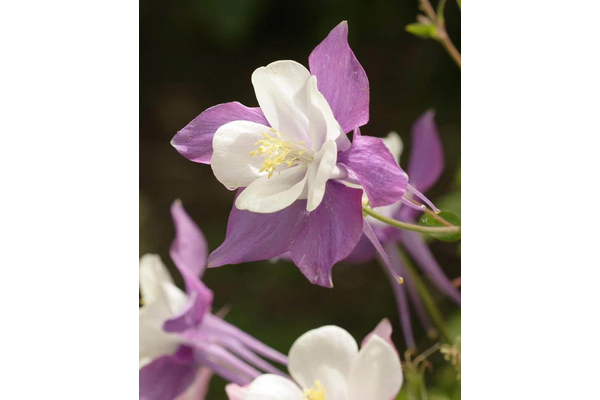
x: 326, y: 364
x: 425, y: 166
x: 294, y: 160
x: 178, y: 334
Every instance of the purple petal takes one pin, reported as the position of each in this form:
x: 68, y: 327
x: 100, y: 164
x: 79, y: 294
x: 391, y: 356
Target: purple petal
x: 418, y: 249
x: 370, y: 161
x: 198, y: 390
x: 229, y: 368
x: 400, y: 295
x: 209, y: 353
x: 285, y: 256
x: 426, y: 155
x: 255, y: 236
x: 194, y: 141
x: 191, y: 315
x: 246, y: 354
x: 406, y: 214
x: 341, y: 78
x: 363, y: 252
x: 188, y: 252
x: 224, y: 328
x: 224, y: 358
x: 329, y: 233
x: 383, y: 255
x: 383, y: 330
x: 167, y: 377
x: 189, y: 249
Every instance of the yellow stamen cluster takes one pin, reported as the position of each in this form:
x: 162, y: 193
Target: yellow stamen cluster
x: 316, y: 393
x: 280, y: 151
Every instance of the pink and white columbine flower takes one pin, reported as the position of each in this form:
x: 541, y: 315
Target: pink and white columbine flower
x: 181, y: 342
x: 424, y: 168
x: 326, y: 364
x: 293, y: 163
x: 292, y: 156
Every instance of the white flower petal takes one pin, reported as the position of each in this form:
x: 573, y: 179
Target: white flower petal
x: 394, y: 143
x: 157, y: 285
x: 324, y: 355
x: 153, y: 274
x: 376, y: 373
x: 153, y: 341
x: 320, y: 172
x: 280, y: 89
x: 273, y: 387
x: 162, y: 300
x: 231, y: 161
x: 269, y: 195
x: 323, y: 125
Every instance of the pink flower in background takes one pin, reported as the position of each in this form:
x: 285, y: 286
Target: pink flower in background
x: 326, y: 364
x: 179, y: 335
x: 425, y: 167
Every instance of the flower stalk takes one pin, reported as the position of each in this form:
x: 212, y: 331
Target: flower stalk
x: 450, y: 229
x: 442, y: 35
x: 432, y: 308
x: 415, y: 373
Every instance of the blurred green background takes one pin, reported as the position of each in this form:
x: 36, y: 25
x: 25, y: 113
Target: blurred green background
x: 198, y: 53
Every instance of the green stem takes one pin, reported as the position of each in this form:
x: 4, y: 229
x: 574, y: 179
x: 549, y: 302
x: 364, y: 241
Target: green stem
x: 416, y: 385
x: 410, y: 227
x: 443, y: 37
x: 434, y: 312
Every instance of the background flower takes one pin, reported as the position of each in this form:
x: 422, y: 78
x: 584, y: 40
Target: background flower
x: 425, y: 167
x: 326, y: 363
x: 197, y: 54
x: 178, y: 334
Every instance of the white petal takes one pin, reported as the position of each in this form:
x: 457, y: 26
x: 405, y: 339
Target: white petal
x: 376, y: 373
x: 269, y: 195
x: 280, y: 89
x: 324, y: 355
x: 231, y: 161
x: 157, y: 285
x: 153, y: 341
x: 323, y: 125
x: 273, y: 387
x: 394, y: 143
x: 320, y: 172
x: 153, y: 274
x: 162, y: 300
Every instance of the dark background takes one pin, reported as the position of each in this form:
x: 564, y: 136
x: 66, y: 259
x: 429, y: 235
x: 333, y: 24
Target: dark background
x: 198, y: 53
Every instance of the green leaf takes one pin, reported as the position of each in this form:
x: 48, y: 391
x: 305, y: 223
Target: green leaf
x: 453, y: 218
x: 425, y: 31
x: 449, y: 201
x: 458, y: 1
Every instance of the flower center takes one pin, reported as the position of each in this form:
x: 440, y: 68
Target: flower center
x: 316, y: 393
x: 279, y: 150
